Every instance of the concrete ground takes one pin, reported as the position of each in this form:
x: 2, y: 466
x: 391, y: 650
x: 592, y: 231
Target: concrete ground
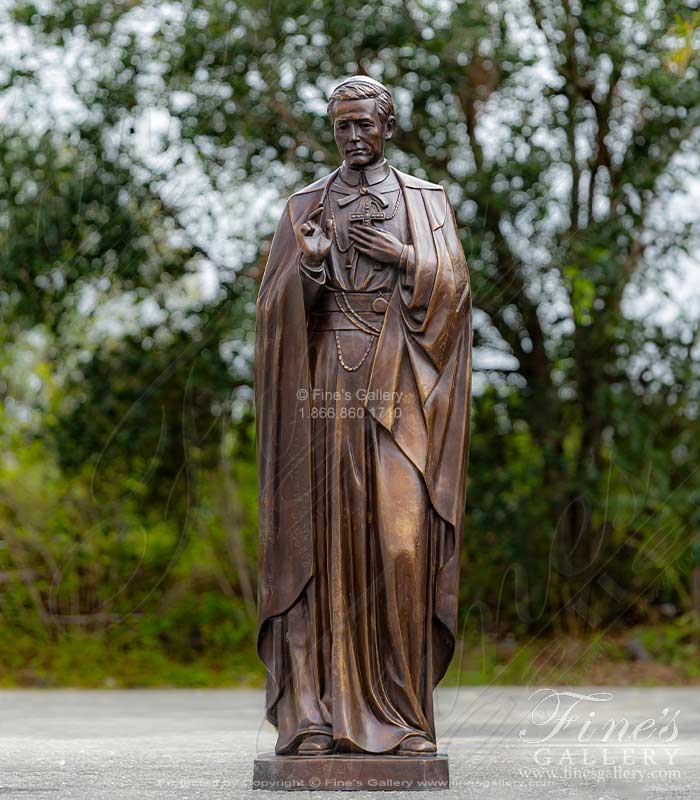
x: 503, y: 744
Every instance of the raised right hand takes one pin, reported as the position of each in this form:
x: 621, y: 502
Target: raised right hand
x: 314, y: 243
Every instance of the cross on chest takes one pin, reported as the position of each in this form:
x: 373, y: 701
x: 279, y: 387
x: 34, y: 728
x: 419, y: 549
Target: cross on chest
x: 369, y: 214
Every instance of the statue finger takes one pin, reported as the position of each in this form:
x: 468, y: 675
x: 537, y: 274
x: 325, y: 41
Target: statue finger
x: 372, y: 234
x: 359, y: 235
x: 365, y: 248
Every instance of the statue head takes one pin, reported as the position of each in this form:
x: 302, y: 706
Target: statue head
x: 361, y: 111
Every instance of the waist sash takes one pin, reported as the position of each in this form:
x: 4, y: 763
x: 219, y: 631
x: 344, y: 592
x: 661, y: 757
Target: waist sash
x: 348, y: 311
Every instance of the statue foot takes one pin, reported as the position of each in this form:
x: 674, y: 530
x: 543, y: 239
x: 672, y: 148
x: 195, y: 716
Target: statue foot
x: 317, y: 744
x: 417, y: 746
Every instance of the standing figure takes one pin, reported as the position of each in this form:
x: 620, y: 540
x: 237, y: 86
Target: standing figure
x: 363, y: 382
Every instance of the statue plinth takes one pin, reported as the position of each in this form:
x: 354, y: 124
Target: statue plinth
x: 351, y: 772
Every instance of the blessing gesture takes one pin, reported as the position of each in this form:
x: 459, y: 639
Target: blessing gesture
x: 315, y: 244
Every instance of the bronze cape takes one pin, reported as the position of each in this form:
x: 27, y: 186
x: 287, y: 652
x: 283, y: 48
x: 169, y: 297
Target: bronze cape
x: 421, y: 363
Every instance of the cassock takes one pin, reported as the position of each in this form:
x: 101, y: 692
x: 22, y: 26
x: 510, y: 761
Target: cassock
x: 362, y: 382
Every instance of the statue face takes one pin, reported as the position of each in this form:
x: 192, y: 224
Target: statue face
x: 359, y: 132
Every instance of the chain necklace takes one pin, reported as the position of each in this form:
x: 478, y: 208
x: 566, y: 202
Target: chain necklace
x: 343, y: 363
x: 344, y: 306
x: 352, y: 316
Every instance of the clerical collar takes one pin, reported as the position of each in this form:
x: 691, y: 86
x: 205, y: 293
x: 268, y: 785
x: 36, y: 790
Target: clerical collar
x: 374, y: 174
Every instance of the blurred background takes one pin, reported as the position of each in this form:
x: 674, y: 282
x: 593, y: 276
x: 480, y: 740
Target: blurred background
x: 146, y: 152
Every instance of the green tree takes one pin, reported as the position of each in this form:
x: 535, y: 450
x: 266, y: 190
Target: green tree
x: 562, y: 131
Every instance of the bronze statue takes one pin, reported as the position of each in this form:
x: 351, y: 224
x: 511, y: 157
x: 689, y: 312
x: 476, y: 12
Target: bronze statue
x: 363, y: 381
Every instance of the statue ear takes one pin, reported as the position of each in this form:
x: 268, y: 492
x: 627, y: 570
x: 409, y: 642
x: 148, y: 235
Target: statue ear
x: 389, y: 127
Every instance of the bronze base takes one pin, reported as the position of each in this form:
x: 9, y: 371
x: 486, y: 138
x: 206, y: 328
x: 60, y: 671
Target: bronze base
x: 351, y: 772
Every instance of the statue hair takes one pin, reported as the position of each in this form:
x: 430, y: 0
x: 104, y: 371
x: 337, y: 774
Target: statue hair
x: 362, y: 87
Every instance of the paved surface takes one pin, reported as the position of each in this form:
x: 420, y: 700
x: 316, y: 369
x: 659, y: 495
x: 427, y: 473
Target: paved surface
x: 502, y: 745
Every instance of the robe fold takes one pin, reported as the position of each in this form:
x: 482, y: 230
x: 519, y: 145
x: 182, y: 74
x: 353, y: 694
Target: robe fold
x: 417, y: 401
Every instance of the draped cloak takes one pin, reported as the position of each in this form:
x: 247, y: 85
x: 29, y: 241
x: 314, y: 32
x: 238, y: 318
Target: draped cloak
x: 422, y: 362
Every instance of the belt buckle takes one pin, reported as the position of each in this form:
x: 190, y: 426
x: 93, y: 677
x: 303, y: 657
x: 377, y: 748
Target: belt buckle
x: 379, y: 305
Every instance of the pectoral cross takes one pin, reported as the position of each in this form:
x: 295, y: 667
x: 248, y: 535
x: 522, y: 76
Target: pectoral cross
x: 367, y: 216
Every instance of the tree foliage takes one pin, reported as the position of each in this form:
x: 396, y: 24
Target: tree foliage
x: 566, y: 135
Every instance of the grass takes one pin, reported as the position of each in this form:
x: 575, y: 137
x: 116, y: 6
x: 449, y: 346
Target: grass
x: 643, y: 656
x: 102, y: 661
